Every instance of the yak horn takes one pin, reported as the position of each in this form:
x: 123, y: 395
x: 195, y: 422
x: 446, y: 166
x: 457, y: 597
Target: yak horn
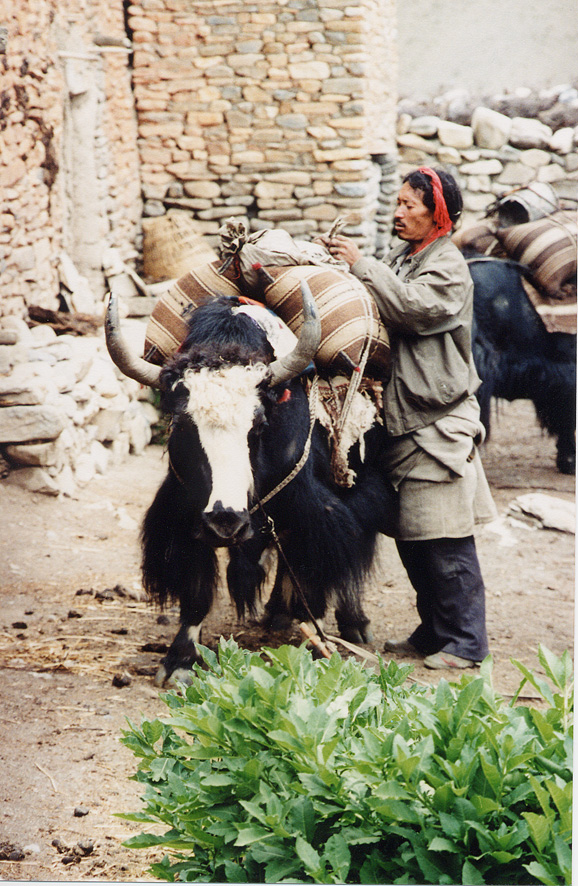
x: 288, y: 367
x: 129, y: 364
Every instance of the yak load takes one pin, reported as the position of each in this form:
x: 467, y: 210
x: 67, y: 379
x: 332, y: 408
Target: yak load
x: 270, y: 364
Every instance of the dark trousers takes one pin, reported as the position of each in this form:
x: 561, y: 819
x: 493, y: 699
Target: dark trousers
x: 451, y: 599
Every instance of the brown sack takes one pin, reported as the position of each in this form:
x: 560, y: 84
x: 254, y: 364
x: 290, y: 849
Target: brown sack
x: 481, y: 238
x: 547, y: 247
x: 350, y: 323
x: 167, y: 326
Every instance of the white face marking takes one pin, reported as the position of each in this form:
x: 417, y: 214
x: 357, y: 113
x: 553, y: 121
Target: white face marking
x: 222, y: 404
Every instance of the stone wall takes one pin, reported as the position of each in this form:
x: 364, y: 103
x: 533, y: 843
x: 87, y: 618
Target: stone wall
x: 269, y: 110
x: 66, y: 413
x: 492, y: 153
x: 64, y: 81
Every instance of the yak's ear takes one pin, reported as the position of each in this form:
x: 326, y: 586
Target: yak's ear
x: 174, y: 394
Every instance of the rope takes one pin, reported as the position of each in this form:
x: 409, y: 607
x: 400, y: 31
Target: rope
x: 358, y: 372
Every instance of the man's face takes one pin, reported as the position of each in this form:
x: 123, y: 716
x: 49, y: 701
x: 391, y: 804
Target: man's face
x: 412, y: 220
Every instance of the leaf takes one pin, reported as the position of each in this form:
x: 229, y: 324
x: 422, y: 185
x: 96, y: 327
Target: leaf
x: 143, y: 841
x: 217, y: 780
x: 337, y: 857
x: 250, y: 834
x: 564, y: 858
x: 301, y: 818
x: 308, y: 855
x: 542, y: 875
x: 559, y: 670
x: 538, y: 684
x: 441, y: 844
x: 466, y: 700
x: 161, y: 768
x: 471, y: 875
x: 493, y: 775
x: 281, y: 869
x: 539, y: 828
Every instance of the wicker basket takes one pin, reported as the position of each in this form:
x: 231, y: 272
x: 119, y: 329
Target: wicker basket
x: 173, y: 245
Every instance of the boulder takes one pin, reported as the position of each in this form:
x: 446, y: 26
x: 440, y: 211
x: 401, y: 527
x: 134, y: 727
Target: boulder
x: 491, y: 129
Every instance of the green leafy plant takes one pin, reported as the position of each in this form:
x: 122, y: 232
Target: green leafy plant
x: 280, y: 768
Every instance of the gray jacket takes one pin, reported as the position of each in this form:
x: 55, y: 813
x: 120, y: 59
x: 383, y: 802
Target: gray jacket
x: 427, y: 306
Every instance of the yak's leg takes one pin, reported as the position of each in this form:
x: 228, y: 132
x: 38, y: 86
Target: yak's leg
x: 277, y: 616
x: 566, y: 453
x: 182, y: 654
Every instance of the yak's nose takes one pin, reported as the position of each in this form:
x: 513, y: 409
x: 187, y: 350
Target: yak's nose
x: 224, y: 526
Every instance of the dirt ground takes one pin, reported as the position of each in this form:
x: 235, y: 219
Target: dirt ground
x: 79, y: 646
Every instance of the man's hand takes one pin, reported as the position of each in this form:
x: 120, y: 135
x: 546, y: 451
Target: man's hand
x: 344, y: 249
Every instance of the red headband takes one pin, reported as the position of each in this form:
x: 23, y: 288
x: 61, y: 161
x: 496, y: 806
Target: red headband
x: 441, y: 216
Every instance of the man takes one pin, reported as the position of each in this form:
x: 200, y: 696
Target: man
x: 424, y: 294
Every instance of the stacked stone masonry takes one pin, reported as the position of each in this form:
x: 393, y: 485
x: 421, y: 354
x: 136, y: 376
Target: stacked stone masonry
x: 270, y: 110
x: 66, y: 413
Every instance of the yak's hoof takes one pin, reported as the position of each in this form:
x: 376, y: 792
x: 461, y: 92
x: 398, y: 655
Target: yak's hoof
x: 566, y: 463
x: 276, y: 621
x: 356, y: 633
x: 161, y: 676
x: 182, y: 675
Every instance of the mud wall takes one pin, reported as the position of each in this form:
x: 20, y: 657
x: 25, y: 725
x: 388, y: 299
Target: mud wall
x: 69, y: 165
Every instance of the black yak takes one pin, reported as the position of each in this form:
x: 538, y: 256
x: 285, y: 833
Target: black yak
x: 517, y: 358
x: 241, y: 426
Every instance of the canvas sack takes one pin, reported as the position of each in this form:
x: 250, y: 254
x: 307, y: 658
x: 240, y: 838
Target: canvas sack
x: 351, y: 329
x: 547, y: 247
x: 167, y: 326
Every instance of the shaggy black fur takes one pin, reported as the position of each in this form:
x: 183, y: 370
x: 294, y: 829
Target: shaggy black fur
x: 517, y: 358
x: 328, y: 534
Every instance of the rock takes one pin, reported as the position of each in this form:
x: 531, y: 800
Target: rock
x: 560, y: 115
x: 529, y: 133
x: 35, y: 454
x: 535, y: 157
x: 23, y: 424
x: 121, y: 680
x: 412, y: 140
x: 562, y: 141
x: 454, y: 135
x: 34, y: 480
x: 482, y: 167
x: 491, y: 129
x: 425, y: 126
x: 81, y: 297
x: 84, y: 468
x: 547, y: 511
x: 516, y: 174
x: 80, y: 811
